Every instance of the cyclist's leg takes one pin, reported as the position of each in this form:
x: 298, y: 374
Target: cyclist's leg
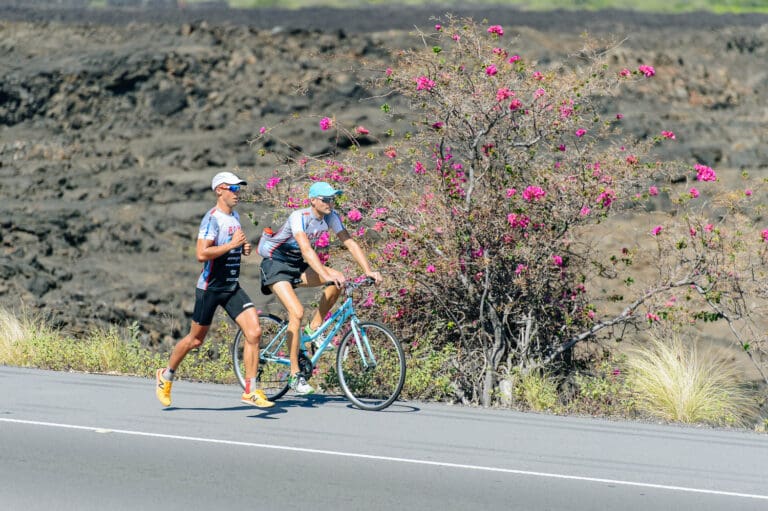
x: 287, y: 296
x: 310, y: 278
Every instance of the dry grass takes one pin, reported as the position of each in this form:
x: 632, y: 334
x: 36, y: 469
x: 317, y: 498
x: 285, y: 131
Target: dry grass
x: 677, y: 381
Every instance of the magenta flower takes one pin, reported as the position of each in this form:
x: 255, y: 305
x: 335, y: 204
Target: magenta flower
x: 653, y: 191
x: 581, y: 132
x: 585, y: 211
x: 491, y: 70
x: 503, y: 94
x: 692, y: 232
x: 625, y: 72
x: 496, y: 29
x: 657, y: 230
x: 379, y: 212
x: 652, y: 317
x: 648, y: 71
x: 748, y: 192
x: 557, y: 260
x: 361, y: 130
x: 537, y: 75
x: 431, y: 268
x: 606, y: 198
x: 456, y: 37
x: 354, y: 215
x: 709, y: 227
x: 668, y: 134
x: 694, y: 193
x: 539, y: 93
x: 323, y: 240
x: 325, y: 123
x: 424, y: 83
x: 511, y: 192
x: 438, y: 27
x: 533, y: 193
x: 388, y: 71
x: 513, y: 59
x: 262, y: 130
x: 272, y: 182
x: 516, y: 220
x: 520, y: 269
x: 561, y: 147
x: 418, y: 168
x: 764, y: 235
x: 515, y: 104
x: 619, y: 116
x: 390, y: 152
x: 704, y: 173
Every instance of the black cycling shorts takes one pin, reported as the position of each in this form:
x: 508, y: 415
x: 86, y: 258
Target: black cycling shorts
x: 206, y: 301
x: 273, y: 271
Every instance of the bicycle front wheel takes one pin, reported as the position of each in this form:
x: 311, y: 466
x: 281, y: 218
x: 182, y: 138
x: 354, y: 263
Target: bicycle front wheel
x: 272, y: 376
x: 371, y: 366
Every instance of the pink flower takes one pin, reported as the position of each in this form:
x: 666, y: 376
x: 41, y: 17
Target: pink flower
x: 323, y: 240
x: 606, y: 198
x: 354, y: 215
x: 456, y: 37
x: 424, y: 83
x: 520, y: 269
x: 325, y: 123
x: 709, y: 227
x: 625, y: 72
x: 648, y: 71
x: 694, y: 193
x: 503, y: 94
x: 515, y: 104
x: 657, y: 230
x: 516, y: 220
x: 557, y: 260
x: 496, y: 29
x: 272, y: 182
x: 748, y: 192
x: 581, y: 132
x: 704, y: 173
x: 692, y: 232
x: 418, y: 168
x: 379, y: 212
x: 653, y: 191
x: 513, y: 59
x: 511, y: 192
x: 619, y: 116
x: 668, y: 134
x: 537, y: 75
x: 361, y: 130
x: 390, y: 152
x: 539, y: 93
x: 632, y: 159
x: 431, y: 268
x: 438, y: 125
x: 533, y: 193
x: 561, y: 147
x: 584, y: 211
x: 491, y: 70
x: 438, y: 27
x: 499, y: 51
x: 764, y: 235
x: 388, y: 71
x: 652, y: 317
x: 262, y: 130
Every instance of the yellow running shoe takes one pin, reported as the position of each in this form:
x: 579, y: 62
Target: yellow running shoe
x: 163, y: 389
x: 257, y: 398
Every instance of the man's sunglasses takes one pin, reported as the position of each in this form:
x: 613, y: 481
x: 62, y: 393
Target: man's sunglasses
x: 233, y: 188
x: 328, y: 200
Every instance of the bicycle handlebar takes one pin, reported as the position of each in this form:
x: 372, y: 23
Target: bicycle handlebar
x: 351, y: 285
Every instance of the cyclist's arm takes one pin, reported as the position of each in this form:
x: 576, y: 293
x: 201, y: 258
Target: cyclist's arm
x: 310, y: 256
x: 358, y: 255
x: 207, y: 251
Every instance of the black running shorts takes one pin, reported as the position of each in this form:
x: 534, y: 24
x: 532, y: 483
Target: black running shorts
x: 206, y: 301
x: 273, y: 271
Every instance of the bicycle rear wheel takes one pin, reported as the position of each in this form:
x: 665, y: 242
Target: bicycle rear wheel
x: 371, y: 368
x: 272, y: 375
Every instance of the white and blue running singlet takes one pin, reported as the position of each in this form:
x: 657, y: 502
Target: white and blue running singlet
x: 282, y: 246
x: 220, y: 274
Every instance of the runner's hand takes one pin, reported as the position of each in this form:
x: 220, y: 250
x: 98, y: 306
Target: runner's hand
x: 238, y: 238
x: 247, y: 249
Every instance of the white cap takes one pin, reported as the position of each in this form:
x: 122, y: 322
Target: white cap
x: 226, y: 178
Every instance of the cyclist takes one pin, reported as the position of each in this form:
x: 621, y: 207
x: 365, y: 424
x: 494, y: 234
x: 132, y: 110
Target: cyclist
x: 220, y: 244
x: 290, y: 261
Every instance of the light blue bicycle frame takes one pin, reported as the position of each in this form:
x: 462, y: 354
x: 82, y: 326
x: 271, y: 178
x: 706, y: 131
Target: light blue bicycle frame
x: 345, y: 313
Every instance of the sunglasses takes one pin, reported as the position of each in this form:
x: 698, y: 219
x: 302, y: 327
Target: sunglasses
x: 328, y: 200
x: 233, y: 188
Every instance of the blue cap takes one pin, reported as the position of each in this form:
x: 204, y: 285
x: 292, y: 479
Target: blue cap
x: 322, y: 189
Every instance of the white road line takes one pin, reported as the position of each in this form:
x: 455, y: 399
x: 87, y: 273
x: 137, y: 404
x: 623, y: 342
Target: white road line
x: 103, y: 430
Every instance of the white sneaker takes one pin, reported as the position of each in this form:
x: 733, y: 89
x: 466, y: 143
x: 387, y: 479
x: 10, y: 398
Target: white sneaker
x: 300, y: 386
x: 319, y: 340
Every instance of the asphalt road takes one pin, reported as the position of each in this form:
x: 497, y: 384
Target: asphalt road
x: 95, y: 442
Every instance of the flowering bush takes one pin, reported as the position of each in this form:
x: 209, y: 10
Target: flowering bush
x: 488, y: 217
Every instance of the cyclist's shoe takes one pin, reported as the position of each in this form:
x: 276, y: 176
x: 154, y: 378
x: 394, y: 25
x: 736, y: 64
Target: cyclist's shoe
x: 163, y: 388
x: 319, y: 340
x: 257, y: 398
x: 299, y: 385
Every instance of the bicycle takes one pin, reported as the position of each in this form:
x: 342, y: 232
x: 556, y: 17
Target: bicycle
x: 370, y: 362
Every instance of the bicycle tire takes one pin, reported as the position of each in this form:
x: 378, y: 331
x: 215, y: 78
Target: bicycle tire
x: 373, y: 387
x: 272, y: 376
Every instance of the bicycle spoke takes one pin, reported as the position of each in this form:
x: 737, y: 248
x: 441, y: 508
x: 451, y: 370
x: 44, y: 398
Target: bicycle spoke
x: 273, y: 377
x: 371, y: 374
